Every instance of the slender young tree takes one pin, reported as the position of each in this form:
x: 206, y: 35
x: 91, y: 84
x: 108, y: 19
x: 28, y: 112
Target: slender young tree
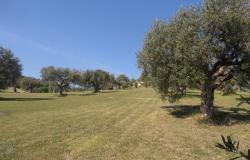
x: 202, y: 47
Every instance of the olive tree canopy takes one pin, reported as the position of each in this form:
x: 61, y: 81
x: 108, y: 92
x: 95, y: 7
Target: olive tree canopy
x: 61, y: 77
x: 202, y: 47
x: 123, y: 81
x: 10, y: 68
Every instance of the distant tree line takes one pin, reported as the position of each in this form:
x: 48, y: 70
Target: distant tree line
x: 57, y: 79
x: 64, y: 79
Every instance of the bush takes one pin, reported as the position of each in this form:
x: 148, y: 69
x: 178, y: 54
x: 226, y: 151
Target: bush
x: 42, y: 89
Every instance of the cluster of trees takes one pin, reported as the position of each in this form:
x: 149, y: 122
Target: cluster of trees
x: 32, y: 84
x: 56, y: 79
x: 98, y: 80
x: 205, y: 47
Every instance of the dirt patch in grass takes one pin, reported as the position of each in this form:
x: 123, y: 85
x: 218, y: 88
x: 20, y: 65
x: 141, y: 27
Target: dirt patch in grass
x: 3, y: 114
x: 68, y: 156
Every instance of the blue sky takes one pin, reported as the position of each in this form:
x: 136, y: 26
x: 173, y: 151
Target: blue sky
x: 81, y: 34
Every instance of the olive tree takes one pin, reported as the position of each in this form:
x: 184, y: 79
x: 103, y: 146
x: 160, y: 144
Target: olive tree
x: 123, y: 81
x: 97, y: 79
x: 10, y: 69
x: 202, y: 47
x: 61, y: 77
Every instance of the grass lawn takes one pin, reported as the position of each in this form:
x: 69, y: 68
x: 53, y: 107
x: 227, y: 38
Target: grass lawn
x: 130, y: 124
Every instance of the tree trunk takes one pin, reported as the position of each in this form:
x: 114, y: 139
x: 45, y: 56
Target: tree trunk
x: 60, y: 91
x: 96, y: 88
x: 15, y: 90
x: 207, y: 99
x: 14, y: 87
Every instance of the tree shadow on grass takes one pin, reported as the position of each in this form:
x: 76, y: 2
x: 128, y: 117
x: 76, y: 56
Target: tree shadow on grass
x: 182, y: 111
x: 230, y: 116
x: 80, y: 94
x: 24, y: 99
x: 109, y: 91
x: 222, y: 116
x: 243, y: 100
x: 90, y: 93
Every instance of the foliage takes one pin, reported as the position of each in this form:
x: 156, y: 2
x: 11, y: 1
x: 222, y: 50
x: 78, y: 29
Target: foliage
x: 202, y: 47
x: 10, y: 68
x: 233, y: 146
x: 98, y: 79
x: 229, y: 144
x: 76, y: 77
x: 145, y: 79
x: 60, y: 77
x: 123, y: 81
x: 41, y: 89
x: 29, y: 83
x: 64, y: 78
x: 134, y: 83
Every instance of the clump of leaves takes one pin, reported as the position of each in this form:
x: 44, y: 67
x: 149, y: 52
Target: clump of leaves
x: 229, y: 144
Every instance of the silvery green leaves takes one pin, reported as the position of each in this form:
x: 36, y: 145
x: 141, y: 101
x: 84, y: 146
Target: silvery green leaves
x: 231, y: 145
x: 201, y: 46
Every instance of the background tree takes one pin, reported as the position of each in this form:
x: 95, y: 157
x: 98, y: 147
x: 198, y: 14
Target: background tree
x: 97, y: 79
x: 145, y: 79
x: 77, y: 77
x: 29, y: 83
x: 33, y: 85
x: 134, y: 83
x: 123, y: 81
x: 206, y: 46
x: 110, y: 82
x: 10, y: 69
x: 61, y: 77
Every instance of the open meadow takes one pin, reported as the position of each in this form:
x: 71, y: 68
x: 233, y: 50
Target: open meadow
x: 123, y: 125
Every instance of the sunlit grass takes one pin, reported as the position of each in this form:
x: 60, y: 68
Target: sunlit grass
x: 130, y: 124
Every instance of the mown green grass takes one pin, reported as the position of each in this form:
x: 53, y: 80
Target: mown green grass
x: 131, y: 124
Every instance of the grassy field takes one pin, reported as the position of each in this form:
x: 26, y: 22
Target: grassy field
x: 131, y: 124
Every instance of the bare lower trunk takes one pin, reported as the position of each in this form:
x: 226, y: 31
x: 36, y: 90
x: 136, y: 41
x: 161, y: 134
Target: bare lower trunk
x: 14, y: 88
x: 96, y: 89
x: 60, y: 91
x: 207, y: 100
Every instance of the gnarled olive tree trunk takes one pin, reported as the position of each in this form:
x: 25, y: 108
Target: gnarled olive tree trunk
x: 207, y: 99
x: 60, y: 91
x: 60, y: 88
x: 96, y: 88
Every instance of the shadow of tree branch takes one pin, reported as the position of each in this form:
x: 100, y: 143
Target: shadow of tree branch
x: 24, y: 99
x: 222, y: 116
